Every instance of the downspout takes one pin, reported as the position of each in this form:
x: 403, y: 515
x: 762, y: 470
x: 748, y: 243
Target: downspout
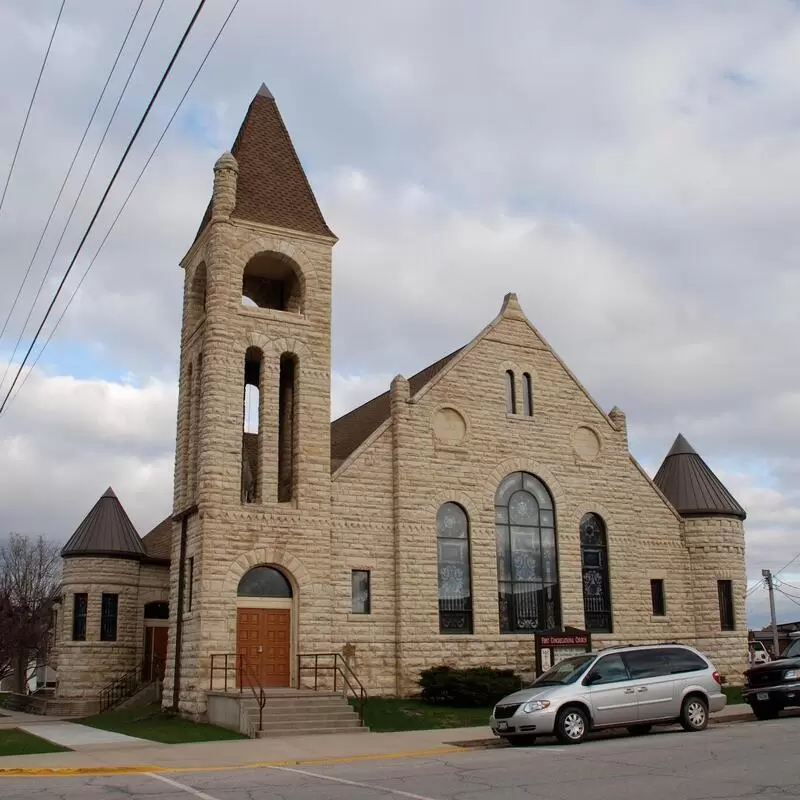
x: 176, y: 674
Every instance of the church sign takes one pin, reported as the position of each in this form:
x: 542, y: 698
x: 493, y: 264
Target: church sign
x: 556, y: 645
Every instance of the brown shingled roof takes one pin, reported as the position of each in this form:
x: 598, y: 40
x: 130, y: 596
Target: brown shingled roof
x: 158, y: 543
x: 105, y: 531
x: 350, y: 430
x: 690, y: 485
x: 272, y: 187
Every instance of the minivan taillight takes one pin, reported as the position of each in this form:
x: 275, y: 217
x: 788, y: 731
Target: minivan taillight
x: 717, y: 677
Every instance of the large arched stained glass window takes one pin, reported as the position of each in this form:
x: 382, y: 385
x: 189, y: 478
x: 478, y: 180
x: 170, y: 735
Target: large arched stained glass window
x: 455, y: 585
x: 527, y: 563
x: 594, y: 563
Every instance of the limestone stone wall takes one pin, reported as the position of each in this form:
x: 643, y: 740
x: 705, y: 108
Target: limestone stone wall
x: 569, y: 443
x: 363, y: 538
x: 84, y: 668
x: 716, y: 548
x: 226, y: 537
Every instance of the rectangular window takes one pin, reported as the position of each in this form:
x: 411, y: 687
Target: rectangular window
x: 658, y: 597
x: 727, y: 620
x: 80, y: 605
x: 362, y: 600
x: 191, y: 583
x: 108, y: 618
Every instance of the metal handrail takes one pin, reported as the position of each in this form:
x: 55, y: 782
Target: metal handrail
x: 241, y: 669
x: 340, y: 668
x: 119, y: 689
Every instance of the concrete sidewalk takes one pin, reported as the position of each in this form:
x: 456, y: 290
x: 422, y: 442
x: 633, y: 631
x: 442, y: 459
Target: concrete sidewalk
x: 285, y: 751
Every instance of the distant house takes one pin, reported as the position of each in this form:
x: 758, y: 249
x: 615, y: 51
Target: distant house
x: 785, y: 629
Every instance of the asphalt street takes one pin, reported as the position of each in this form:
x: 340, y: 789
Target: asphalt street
x: 745, y: 760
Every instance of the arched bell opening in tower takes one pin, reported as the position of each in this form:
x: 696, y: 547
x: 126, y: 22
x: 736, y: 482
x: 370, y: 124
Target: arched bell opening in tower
x: 272, y: 280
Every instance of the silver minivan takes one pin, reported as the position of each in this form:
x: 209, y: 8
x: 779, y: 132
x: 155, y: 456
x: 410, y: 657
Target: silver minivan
x: 632, y: 687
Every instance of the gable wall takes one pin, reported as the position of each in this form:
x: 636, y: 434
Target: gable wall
x: 643, y: 532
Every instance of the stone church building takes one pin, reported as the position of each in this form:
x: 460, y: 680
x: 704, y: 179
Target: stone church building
x: 483, y: 499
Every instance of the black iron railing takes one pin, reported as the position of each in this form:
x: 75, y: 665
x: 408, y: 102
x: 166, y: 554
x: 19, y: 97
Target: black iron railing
x: 343, y: 675
x: 242, y: 674
x: 119, y: 689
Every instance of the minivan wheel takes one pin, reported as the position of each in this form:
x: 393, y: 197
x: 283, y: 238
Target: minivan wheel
x: 694, y: 714
x: 765, y: 710
x: 571, y: 726
x: 639, y: 730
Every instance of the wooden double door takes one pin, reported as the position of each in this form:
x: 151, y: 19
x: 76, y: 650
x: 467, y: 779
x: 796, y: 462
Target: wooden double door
x: 155, y: 653
x: 263, y: 637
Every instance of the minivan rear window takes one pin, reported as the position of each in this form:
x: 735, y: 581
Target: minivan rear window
x: 683, y: 660
x: 648, y: 664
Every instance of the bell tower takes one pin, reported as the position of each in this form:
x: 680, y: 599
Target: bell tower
x: 252, y: 467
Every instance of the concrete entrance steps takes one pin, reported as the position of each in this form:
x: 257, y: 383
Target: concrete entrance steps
x: 297, y: 712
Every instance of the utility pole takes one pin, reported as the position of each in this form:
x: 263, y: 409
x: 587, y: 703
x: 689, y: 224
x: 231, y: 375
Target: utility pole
x: 767, y: 574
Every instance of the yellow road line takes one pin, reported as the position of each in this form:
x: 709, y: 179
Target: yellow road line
x: 76, y: 772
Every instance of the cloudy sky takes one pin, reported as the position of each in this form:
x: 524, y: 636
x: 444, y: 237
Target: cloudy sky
x: 630, y: 169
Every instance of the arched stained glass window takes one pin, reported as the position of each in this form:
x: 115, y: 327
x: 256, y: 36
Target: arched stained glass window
x: 264, y: 582
x: 594, y: 563
x: 527, y: 562
x: 455, y: 584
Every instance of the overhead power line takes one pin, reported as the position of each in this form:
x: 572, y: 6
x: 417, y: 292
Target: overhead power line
x: 788, y: 596
x: 66, y: 177
x: 125, y: 203
x: 30, y: 105
x: 787, y: 565
x: 103, y: 199
x: 80, y: 192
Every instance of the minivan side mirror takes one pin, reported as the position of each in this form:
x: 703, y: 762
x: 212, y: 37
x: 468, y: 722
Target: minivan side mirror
x: 591, y: 678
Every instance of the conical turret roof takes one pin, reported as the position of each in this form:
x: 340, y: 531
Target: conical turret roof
x: 272, y: 187
x: 690, y: 485
x: 106, y: 531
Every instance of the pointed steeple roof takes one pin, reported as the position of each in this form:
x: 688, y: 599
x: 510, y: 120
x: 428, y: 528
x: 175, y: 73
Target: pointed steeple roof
x: 690, y: 485
x: 106, y: 531
x: 272, y: 187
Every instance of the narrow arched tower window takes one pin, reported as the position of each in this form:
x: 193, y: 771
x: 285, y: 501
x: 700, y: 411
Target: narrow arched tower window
x: 197, y: 398
x: 511, y: 393
x: 527, y: 394
x: 198, y: 292
x: 287, y: 428
x: 594, y: 568
x: 251, y: 429
x: 455, y: 582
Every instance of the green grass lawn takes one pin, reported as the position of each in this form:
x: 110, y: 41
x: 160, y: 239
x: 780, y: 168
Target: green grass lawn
x: 384, y: 714
x: 19, y: 743
x: 150, y: 722
x: 734, y: 695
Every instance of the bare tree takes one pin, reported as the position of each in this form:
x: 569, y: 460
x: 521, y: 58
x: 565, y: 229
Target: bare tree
x: 29, y: 575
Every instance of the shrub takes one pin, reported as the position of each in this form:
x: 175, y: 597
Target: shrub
x: 468, y: 688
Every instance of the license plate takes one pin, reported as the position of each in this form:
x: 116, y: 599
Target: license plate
x: 502, y: 726
x: 762, y: 695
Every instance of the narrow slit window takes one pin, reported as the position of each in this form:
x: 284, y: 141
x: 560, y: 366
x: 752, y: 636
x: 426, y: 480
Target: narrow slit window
x: 527, y: 395
x: 511, y: 393
x: 658, y: 597
x: 361, y: 591
x: 190, y: 583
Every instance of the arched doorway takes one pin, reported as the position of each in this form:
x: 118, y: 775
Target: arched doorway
x: 264, y: 627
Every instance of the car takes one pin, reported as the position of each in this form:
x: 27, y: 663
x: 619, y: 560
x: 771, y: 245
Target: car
x: 633, y: 687
x: 771, y: 687
x: 758, y: 653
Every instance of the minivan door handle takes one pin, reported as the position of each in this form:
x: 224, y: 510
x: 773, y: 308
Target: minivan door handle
x: 629, y: 691
x: 641, y: 688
